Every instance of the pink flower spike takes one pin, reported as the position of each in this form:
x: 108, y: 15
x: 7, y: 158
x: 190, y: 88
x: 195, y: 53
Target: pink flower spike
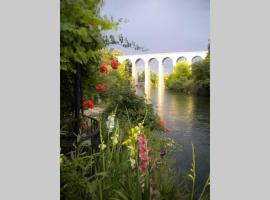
x: 143, y: 149
x: 146, y: 158
x: 141, y: 140
x: 142, y: 166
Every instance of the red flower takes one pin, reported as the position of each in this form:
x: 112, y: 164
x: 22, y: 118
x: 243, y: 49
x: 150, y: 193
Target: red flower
x: 101, y: 87
x: 166, y: 130
x: 161, y: 123
x: 91, y: 104
x: 85, y: 103
x: 88, y: 103
x: 103, y: 69
x: 114, y: 64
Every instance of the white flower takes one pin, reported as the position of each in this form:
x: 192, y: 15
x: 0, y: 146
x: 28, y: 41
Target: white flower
x: 115, y: 139
x: 102, y: 146
x: 132, y: 162
x: 110, y: 122
x: 132, y: 150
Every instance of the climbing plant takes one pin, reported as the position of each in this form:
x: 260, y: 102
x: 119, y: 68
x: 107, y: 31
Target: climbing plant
x: 82, y: 36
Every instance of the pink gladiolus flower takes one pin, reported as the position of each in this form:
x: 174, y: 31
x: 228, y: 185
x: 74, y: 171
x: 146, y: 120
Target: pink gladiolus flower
x: 143, y: 149
x: 142, y: 167
x: 146, y: 158
x: 143, y: 154
x: 141, y: 140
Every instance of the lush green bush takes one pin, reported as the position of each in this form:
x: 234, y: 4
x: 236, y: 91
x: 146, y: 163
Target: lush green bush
x: 201, y: 75
x: 180, y: 79
x: 196, y: 81
x: 80, y: 41
x: 122, y: 97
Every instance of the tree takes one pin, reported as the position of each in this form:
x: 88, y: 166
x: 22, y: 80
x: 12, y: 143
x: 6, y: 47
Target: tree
x: 180, y: 79
x: 201, y: 75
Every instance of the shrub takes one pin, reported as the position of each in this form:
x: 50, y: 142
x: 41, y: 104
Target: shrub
x: 201, y: 77
x: 180, y: 79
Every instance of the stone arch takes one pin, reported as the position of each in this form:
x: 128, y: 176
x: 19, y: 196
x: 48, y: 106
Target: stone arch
x: 153, y: 64
x: 181, y: 59
x: 140, y: 69
x: 167, y: 64
x: 196, y: 59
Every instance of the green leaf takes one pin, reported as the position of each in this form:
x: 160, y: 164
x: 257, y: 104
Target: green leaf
x: 121, y: 194
x: 83, y: 32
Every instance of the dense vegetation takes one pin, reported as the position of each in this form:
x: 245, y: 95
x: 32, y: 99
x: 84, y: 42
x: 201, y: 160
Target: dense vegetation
x: 134, y: 159
x: 191, y: 79
x: 153, y: 78
x: 180, y: 79
x: 201, y: 75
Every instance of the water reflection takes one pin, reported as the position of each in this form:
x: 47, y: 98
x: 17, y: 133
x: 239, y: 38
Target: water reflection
x: 161, y: 91
x: 188, y: 119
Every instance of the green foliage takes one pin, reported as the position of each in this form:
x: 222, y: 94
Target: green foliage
x: 122, y: 95
x: 80, y: 33
x: 185, y: 80
x: 192, y: 176
x: 201, y: 76
x: 181, y: 70
x: 180, y: 79
x: 153, y: 78
x: 114, y: 176
x: 80, y: 41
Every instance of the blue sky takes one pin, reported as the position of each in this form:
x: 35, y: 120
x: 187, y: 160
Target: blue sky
x: 162, y: 25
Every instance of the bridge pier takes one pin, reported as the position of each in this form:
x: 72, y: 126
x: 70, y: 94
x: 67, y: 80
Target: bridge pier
x: 146, y: 74
x: 134, y: 72
x: 160, y: 73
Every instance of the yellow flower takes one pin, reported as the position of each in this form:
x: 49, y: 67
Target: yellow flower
x: 115, y: 139
x: 127, y: 141
x: 135, y: 136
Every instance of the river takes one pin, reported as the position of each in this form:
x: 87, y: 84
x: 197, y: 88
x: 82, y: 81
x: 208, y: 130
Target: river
x: 188, y: 119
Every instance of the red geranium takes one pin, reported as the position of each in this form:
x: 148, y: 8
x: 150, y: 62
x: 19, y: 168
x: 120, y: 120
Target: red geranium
x: 114, y: 64
x: 161, y: 123
x: 166, y: 130
x: 101, y: 87
x: 88, y: 103
x: 103, y: 69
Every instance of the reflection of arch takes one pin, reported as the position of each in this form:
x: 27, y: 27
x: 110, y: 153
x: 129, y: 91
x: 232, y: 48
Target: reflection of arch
x: 128, y: 66
x: 196, y: 59
x: 181, y: 59
x: 167, y: 62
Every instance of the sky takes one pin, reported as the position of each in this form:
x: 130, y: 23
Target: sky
x: 162, y: 26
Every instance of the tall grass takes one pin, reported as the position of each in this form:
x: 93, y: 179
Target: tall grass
x: 115, y: 177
